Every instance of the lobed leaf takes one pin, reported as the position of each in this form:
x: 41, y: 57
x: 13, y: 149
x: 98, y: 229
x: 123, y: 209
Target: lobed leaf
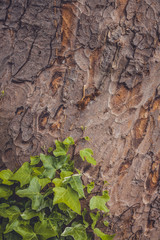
x: 86, y: 224
x: 43, y: 182
x: 99, y: 202
x: 48, y: 163
x: 34, y: 160
x: 75, y: 183
x: 5, y: 175
x: 67, y: 196
x: 5, y: 192
x: 23, y: 174
x: 61, y: 149
x: 90, y: 187
x: 64, y: 174
x: 86, y: 154
x: 29, y: 214
x: 33, y: 193
x: 68, y: 141
x: 78, y: 232
x: 102, y: 235
x: 94, y: 218
x: 45, y: 229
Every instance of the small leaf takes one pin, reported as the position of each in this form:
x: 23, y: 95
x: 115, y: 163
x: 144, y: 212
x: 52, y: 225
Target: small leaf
x: 78, y: 232
x: 13, y: 225
x: 106, y: 223
x: 75, y: 183
x: 67, y: 196
x: 87, y: 138
x: 38, y: 171
x: 48, y: 163
x: 86, y: 154
x: 102, y: 235
x: 78, y: 171
x: 50, y: 149
x: 5, y: 192
x: 61, y: 149
x: 33, y: 193
x: 26, y: 232
x: 83, y: 216
x: 61, y: 161
x: 23, y: 174
x: 83, y: 128
x: 29, y: 213
x: 99, y: 202
x: 64, y: 174
x: 4, y: 205
x: 68, y: 141
x: 90, y: 187
x: 43, y: 182
x: 5, y: 176
x: 69, y: 214
x: 57, y: 182
x: 12, y: 213
x: 94, y: 218
x: 34, y: 160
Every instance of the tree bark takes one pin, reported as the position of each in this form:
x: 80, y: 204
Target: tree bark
x: 93, y: 63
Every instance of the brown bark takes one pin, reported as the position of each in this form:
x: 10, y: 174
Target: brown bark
x: 50, y: 51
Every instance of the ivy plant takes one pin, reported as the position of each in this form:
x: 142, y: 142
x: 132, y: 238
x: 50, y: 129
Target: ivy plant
x: 42, y: 199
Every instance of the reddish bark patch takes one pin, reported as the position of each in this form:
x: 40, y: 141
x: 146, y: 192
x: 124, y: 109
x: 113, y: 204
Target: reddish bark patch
x: 43, y: 119
x: 56, y: 82
x: 84, y: 101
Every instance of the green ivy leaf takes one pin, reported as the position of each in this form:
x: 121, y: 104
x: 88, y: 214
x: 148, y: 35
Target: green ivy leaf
x: 64, y: 174
x: 48, y: 163
x: 45, y: 229
x: 5, y: 176
x: 75, y: 183
x: 87, y: 138
x: 26, y: 232
x: 61, y: 149
x: 43, y: 182
x: 106, y: 223
x: 13, y: 213
x: 38, y: 171
x: 14, y: 224
x: 99, y: 202
x: 61, y: 161
x: 23, y: 175
x: 102, y: 235
x: 32, y: 192
x: 68, y: 214
x: 12, y: 236
x: 83, y: 216
x: 57, y: 182
x: 34, y: 160
x: 4, y: 205
x: 5, y: 192
x: 50, y: 149
x: 90, y: 187
x: 67, y: 196
x: 86, y: 154
x: 94, y: 218
x: 68, y: 141
x: 78, y: 232
x: 29, y: 213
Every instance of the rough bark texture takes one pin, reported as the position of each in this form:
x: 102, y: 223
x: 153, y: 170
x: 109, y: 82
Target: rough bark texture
x: 48, y: 51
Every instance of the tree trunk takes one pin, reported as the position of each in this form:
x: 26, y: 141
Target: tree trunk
x: 92, y: 63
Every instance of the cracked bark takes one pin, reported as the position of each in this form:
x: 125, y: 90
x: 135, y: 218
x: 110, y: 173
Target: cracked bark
x: 49, y: 51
